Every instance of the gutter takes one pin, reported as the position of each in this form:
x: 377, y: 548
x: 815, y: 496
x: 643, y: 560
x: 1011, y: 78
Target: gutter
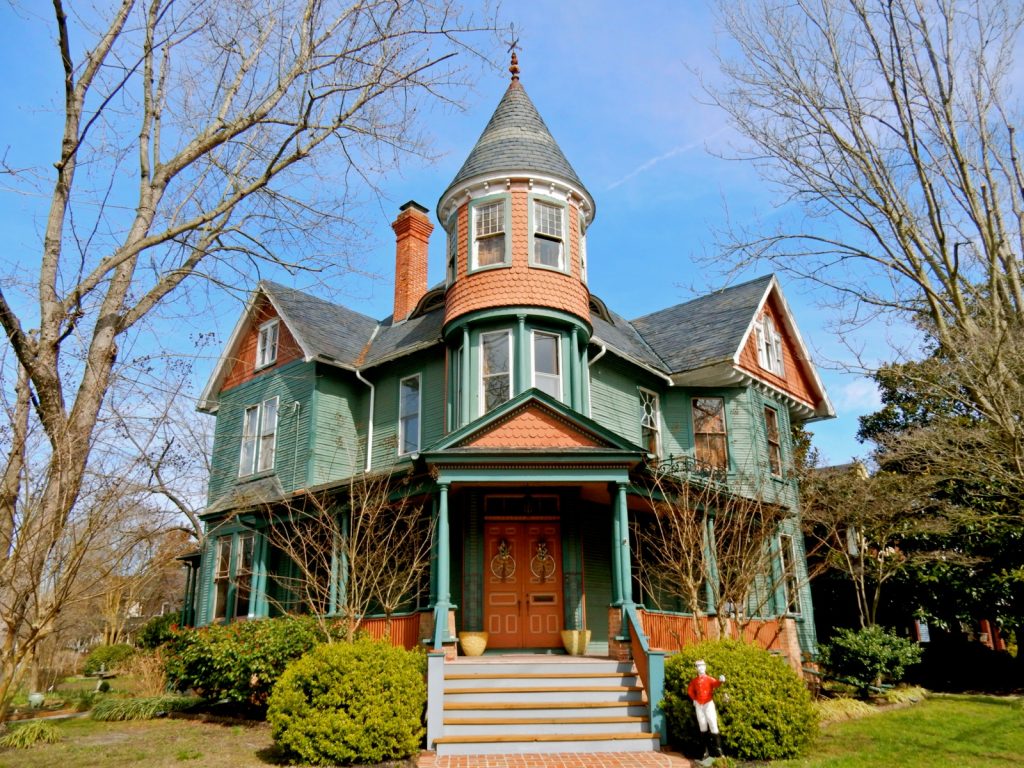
x: 634, y: 361
x: 369, y: 420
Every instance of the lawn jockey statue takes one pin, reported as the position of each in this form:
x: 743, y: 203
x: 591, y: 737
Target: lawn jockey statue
x: 701, y: 691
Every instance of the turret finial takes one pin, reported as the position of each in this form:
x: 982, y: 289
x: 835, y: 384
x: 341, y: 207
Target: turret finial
x: 512, y: 45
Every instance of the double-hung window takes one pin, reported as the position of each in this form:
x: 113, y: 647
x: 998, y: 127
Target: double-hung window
x: 453, y: 249
x: 495, y: 369
x: 266, y: 343
x: 409, y: 415
x: 548, y: 235
x: 547, y: 369
x: 769, y: 347
x: 583, y: 247
x: 771, y: 428
x: 650, y: 421
x: 489, y: 234
x: 790, y: 581
x: 259, y: 438
x: 709, y: 435
x: 232, y: 577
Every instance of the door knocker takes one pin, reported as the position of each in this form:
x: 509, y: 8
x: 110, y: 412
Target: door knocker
x: 542, y: 565
x: 503, y: 565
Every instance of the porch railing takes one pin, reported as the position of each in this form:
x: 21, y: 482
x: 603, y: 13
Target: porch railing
x: 403, y: 631
x: 650, y: 666
x: 673, y: 632
x: 689, y: 469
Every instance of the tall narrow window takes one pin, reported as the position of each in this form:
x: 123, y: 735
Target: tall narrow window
x: 790, y: 580
x: 266, y: 344
x: 456, y: 390
x: 769, y: 347
x: 547, y: 370
x: 495, y: 370
x: 268, y: 435
x: 489, y: 234
x: 771, y: 428
x: 250, y: 430
x: 548, y: 235
x: 243, y: 573
x: 709, y: 435
x: 222, y: 577
x: 409, y: 415
x: 232, y: 575
x: 650, y: 421
x: 453, y: 249
x: 583, y: 247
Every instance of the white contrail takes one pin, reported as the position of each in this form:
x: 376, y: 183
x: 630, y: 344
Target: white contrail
x: 671, y: 153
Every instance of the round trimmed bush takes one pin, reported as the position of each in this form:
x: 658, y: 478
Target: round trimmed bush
x: 107, y: 658
x: 767, y: 715
x: 157, y: 631
x: 870, y: 656
x: 359, y: 702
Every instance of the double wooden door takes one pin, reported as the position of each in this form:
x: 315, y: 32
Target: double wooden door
x: 523, y: 583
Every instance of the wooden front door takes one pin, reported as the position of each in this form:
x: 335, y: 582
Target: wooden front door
x: 523, y: 584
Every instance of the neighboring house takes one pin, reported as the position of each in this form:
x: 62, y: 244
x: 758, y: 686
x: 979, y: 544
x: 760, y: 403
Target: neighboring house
x: 525, y: 408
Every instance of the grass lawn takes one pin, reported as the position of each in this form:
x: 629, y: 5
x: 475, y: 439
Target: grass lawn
x: 943, y: 731
x: 150, y: 743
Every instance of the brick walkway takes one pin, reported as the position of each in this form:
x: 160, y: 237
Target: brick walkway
x: 558, y: 760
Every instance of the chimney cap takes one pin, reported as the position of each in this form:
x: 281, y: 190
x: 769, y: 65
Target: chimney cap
x: 414, y: 204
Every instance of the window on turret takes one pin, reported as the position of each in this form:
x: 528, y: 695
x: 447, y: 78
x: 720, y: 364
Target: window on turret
x: 453, y: 250
x: 709, y: 434
x: 547, y: 371
x: 489, y: 234
x: 583, y: 247
x: 495, y: 369
x: 548, y: 235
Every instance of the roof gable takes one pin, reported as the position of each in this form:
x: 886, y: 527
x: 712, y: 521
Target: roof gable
x: 534, y: 421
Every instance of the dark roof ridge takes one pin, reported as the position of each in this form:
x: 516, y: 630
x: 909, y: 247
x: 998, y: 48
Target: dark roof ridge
x: 708, y: 296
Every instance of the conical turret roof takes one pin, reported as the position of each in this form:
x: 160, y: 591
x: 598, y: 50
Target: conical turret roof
x: 516, y: 139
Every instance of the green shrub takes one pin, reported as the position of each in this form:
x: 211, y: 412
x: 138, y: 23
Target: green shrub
x: 868, y: 657
x: 157, y: 631
x: 141, y: 709
x: 238, y: 662
x: 768, y: 713
x: 107, y: 657
x: 842, y: 708
x: 343, y: 703
x: 29, y: 734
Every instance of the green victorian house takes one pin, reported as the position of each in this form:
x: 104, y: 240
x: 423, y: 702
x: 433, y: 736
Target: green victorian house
x: 526, y: 418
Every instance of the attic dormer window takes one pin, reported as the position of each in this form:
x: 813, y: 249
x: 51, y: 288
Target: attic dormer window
x: 266, y: 346
x: 769, y: 347
x: 489, y: 234
x: 548, y: 235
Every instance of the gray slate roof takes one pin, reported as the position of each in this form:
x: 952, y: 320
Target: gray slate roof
x: 516, y: 138
x: 328, y: 330
x: 705, y: 330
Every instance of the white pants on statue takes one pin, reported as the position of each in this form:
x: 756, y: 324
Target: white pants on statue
x: 707, y: 716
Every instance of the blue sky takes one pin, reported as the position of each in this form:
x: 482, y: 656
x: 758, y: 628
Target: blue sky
x: 615, y: 83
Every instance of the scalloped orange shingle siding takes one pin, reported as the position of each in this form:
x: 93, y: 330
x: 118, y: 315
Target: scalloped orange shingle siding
x: 532, y: 428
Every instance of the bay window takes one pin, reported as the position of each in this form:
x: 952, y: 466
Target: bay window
x: 495, y: 369
x: 547, y: 372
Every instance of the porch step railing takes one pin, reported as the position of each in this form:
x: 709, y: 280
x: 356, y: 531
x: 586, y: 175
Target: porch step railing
x: 650, y: 665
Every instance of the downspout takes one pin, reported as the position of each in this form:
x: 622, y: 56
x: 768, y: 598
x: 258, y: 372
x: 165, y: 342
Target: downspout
x: 600, y: 354
x: 369, y: 420
x: 373, y: 393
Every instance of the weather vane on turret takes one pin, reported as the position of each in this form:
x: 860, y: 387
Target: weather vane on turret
x: 512, y: 45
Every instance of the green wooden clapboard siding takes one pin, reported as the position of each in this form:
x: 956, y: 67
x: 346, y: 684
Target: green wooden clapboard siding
x: 386, y: 379
x: 292, y: 383
x: 614, y: 396
x: 339, y: 436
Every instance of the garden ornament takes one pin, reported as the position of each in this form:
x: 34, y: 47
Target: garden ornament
x: 701, y: 691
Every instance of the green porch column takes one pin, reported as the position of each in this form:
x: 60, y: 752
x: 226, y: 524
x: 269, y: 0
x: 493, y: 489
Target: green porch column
x: 522, y: 357
x: 625, y: 560
x: 258, y: 602
x: 616, y: 553
x: 444, y: 597
x: 575, y: 380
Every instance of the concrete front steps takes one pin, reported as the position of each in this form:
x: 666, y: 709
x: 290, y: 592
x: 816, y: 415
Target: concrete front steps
x: 530, y: 704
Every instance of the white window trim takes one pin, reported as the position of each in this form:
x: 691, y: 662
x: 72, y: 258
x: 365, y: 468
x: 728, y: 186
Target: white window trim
x: 264, y: 432
x: 558, y: 359
x: 419, y: 414
x: 769, y: 347
x: 656, y: 415
x: 257, y: 438
x: 474, y: 209
x: 263, y: 358
x: 481, y: 390
x: 787, y: 562
x: 768, y: 442
x: 562, y: 246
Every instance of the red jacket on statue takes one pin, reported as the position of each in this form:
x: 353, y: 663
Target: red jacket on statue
x: 702, y: 688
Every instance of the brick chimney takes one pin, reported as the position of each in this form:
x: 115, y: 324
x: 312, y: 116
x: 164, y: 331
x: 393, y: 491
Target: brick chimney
x: 412, y: 236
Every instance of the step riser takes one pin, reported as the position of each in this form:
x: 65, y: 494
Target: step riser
x: 530, y: 682
x: 637, y: 710
x: 645, y: 744
x: 538, y: 667
x: 508, y: 729
x: 516, y: 697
